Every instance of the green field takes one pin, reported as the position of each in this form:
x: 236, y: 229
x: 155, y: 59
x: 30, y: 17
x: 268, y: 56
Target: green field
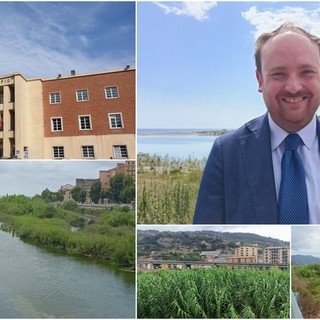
x: 214, y: 293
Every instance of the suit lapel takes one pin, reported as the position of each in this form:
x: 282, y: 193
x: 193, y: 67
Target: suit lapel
x: 257, y: 161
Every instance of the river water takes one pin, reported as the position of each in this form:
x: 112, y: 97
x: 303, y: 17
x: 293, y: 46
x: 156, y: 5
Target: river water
x: 35, y: 283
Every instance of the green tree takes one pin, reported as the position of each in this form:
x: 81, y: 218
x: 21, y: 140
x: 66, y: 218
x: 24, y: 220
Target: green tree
x: 95, y: 191
x: 46, y: 195
x: 79, y: 194
x: 57, y: 196
x: 70, y: 205
x: 50, y: 196
x: 128, y: 189
x: 116, y: 187
x: 121, y: 188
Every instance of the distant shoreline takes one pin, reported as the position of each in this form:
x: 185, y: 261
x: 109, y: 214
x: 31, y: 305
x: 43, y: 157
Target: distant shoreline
x: 186, y: 133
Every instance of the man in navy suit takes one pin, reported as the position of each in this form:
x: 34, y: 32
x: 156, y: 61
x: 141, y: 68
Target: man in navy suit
x: 242, y: 177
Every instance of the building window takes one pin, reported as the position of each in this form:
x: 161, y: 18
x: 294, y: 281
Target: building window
x: 115, y: 120
x: 56, y: 124
x: 120, y: 152
x: 55, y: 98
x: 112, y: 92
x: 82, y: 95
x: 87, y: 152
x: 85, y: 122
x: 58, y: 152
x: 11, y: 93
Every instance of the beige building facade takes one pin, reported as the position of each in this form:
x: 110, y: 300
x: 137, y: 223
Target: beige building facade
x: 21, y: 113
x: 247, y: 251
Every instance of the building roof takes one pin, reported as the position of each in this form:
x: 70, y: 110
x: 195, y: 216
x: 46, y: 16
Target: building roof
x: 210, y: 253
x: 242, y: 257
x: 71, y: 75
x: 59, y: 76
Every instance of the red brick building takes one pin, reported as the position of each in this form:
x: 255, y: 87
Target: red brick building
x: 127, y: 168
x: 89, y: 116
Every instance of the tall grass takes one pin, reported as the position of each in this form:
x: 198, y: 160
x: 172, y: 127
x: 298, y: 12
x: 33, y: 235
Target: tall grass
x: 214, y: 293
x: 306, y: 281
x: 167, y: 189
x: 111, y: 237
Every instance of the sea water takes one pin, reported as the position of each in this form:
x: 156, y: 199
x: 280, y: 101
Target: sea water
x: 173, y: 143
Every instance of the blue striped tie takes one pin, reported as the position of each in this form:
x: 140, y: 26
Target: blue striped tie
x: 293, y: 197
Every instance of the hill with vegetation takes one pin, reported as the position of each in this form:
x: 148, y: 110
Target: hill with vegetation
x: 192, y: 242
x: 304, y: 259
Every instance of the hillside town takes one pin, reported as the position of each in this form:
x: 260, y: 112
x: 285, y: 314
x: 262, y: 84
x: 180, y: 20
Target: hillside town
x: 244, y: 256
x: 194, y: 250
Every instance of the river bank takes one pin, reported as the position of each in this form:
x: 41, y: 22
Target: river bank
x: 111, y: 238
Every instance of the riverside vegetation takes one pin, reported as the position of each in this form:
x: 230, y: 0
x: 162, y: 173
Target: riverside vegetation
x: 214, y: 293
x: 107, y: 235
x: 306, y: 281
x: 167, y: 188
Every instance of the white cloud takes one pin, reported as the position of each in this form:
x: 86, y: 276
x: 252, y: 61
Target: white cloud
x: 198, y: 10
x: 269, y: 20
x: 84, y: 40
x: 306, y: 239
x: 53, y: 38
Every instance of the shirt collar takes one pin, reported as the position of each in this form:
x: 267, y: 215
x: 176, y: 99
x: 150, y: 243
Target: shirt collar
x: 308, y: 134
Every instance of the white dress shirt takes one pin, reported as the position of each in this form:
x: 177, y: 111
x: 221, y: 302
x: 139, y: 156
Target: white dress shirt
x: 310, y: 155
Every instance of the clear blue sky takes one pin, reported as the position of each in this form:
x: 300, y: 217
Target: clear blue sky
x: 195, y: 60
x: 44, y: 39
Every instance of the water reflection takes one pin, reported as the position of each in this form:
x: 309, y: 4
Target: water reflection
x: 36, y: 283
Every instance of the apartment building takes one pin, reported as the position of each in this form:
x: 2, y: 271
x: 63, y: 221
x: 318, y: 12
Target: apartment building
x: 276, y: 255
x: 247, y: 251
x: 127, y: 168
x: 89, y: 116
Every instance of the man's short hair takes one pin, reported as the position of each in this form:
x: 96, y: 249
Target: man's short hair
x: 286, y: 27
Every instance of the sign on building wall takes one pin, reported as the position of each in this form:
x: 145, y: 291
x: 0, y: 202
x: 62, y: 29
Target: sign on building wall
x: 6, y: 81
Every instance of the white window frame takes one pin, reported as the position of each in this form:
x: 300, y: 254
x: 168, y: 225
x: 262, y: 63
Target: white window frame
x: 53, y: 124
x: 90, y: 123
x: 86, y: 150
x: 54, y: 96
x: 112, y: 95
x: 113, y: 120
x: 117, y: 151
x: 80, y: 96
x: 60, y: 149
